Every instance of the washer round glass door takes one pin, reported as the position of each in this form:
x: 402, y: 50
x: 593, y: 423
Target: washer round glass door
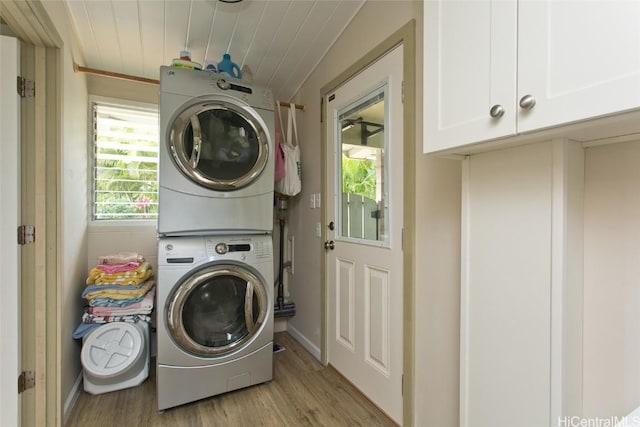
x: 219, y: 145
x: 216, y: 310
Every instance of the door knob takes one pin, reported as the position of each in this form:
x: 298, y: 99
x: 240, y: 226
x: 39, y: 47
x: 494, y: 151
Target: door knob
x: 496, y: 111
x: 332, y: 226
x: 329, y: 245
x: 527, y: 102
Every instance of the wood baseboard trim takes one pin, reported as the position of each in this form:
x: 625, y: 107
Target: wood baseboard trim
x: 71, y: 399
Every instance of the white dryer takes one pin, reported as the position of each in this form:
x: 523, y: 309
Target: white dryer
x: 216, y: 166
x: 215, y: 327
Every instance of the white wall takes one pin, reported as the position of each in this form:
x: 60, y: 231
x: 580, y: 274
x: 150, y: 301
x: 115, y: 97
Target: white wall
x: 612, y: 280
x: 122, y: 89
x: 437, y: 290
x: 437, y: 275
x: 104, y: 239
x: 437, y: 201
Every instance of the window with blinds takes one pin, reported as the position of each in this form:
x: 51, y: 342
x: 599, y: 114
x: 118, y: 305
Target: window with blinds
x: 125, y: 162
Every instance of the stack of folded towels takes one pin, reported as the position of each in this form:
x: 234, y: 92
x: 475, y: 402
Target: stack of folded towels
x: 120, y: 288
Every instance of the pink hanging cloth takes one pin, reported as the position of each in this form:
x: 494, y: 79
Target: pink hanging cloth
x: 279, y: 168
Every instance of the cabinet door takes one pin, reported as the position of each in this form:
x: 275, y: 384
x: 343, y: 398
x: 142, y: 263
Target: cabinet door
x: 578, y: 59
x: 469, y: 67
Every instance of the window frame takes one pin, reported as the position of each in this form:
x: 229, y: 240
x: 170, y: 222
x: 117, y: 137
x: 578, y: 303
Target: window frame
x: 381, y: 92
x: 122, y: 103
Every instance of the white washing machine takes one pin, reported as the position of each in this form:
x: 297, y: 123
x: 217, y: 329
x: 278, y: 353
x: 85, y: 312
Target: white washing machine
x: 216, y: 166
x: 215, y: 324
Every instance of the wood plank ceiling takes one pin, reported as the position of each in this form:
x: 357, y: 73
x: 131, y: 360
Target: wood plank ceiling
x: 279, y: 41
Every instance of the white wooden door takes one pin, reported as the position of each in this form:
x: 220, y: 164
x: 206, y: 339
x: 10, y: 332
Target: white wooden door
x: 364, y: 239
x: 469, y: 68
x: 9, y: 217
x: 578, y: 59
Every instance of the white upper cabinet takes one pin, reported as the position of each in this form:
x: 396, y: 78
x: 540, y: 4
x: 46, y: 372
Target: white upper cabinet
x: 578, y: 59
x: 494, y: 69
x: 469, y: 67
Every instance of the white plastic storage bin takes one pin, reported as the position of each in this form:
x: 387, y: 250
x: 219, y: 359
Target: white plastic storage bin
x: 115, y: 356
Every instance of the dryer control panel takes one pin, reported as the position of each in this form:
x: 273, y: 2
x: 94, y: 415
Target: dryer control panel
x: 226, y: 85
x: 205, y: 83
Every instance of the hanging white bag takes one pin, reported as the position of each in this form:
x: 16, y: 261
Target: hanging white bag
x: 291, y: 184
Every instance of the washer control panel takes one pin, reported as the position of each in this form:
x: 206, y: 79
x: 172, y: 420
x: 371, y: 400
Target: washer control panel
x: 195, y: 250
x: 215, y: 247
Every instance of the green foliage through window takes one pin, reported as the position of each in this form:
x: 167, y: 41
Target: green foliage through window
x: 359, y: 177
x: 125, y: 169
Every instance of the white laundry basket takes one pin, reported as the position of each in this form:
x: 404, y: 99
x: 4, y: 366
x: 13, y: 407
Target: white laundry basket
x: 115, y: 356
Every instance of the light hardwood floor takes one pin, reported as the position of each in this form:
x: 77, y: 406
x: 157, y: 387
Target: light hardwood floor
x: 302, y: 393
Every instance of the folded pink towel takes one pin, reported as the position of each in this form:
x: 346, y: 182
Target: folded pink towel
x: 120, y: 258
x: 117, y: 268
x: 128, y: 277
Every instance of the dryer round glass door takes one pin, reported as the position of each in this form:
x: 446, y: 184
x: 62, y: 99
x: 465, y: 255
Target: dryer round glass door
x: 216, y: 310
x: 219, y: 145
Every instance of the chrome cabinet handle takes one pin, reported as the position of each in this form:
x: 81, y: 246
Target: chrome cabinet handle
x: 496, y: 111
x: 527, y: 102
x: 329, y: 245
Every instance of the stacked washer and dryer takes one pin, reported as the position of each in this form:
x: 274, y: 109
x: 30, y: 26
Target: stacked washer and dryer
x: 215, y: 219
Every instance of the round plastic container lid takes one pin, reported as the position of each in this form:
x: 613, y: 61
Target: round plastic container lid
x: 111, y: 349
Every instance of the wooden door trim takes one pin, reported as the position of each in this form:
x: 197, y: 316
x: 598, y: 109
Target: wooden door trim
x: 405, y: 36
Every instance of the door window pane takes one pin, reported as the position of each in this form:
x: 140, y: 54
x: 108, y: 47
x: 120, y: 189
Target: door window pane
x: 362, y: 177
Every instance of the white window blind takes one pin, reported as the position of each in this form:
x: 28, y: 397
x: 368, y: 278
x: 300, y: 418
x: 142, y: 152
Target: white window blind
x: 125, y: 162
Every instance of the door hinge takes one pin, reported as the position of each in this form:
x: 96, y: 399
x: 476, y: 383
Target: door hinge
x: 402, y: 386
x: 26, y: 87
x: 26, y: 380
x: 26, y: 234
x: 403, y: 91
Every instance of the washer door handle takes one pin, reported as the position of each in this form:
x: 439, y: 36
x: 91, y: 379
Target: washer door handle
x: 248, y: 308
x: 197, y: 142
